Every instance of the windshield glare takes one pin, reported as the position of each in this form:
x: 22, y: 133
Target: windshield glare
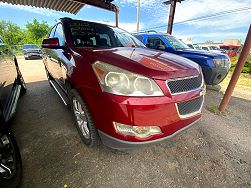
x: 85, y: 34
x: 176, y: 43
x: 27, y: 46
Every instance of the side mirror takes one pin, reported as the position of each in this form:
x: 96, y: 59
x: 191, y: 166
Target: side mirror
x: 52, y: 43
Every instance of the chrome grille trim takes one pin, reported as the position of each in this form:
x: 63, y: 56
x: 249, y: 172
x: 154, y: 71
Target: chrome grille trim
x: 181, y: 90
x: 189, y: 105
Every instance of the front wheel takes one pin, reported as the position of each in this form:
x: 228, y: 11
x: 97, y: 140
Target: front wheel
x: 83, y: 120
x: 10, y: 161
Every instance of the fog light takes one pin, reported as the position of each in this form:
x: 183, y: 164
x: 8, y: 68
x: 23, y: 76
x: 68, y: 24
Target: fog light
x: 137, y: 131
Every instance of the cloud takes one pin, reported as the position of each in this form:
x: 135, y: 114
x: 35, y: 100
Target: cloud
x: 190, y: 9
x: 40, y: 11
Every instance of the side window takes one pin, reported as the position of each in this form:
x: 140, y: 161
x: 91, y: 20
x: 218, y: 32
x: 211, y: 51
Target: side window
x: 52, y: 32
x: 156, y: 43
x: 139, y: 37
x: 190, y: 46
x: 60, y: 35
x: 205, y: 48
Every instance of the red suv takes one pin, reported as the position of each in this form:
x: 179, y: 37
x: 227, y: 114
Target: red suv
x: 120, y: 92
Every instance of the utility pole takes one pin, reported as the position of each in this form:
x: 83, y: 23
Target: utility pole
x: 138, y: 15
x: 237, y: 72
x: 172, y: 4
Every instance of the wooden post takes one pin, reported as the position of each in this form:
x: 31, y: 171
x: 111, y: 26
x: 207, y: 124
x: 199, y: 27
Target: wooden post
x: 239, y: 66
x: 117, y: 16
x: 171, y: 16
x: 138, y: 15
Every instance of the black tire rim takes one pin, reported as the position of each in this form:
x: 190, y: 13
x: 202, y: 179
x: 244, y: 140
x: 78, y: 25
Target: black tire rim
x: 7, y: 157
x: 81, y: 118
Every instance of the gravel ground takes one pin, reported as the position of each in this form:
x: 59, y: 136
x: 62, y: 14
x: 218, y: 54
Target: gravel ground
x: 214, y: 153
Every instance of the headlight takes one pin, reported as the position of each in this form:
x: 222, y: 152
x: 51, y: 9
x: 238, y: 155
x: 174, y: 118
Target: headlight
x: 118, y: 81
x: 219, y: 62
x: 137, y: 131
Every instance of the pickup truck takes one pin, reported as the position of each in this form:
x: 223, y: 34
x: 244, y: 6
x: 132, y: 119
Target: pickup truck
x: 121, y: 93
x: 12, y: 86
x: 215, y: 66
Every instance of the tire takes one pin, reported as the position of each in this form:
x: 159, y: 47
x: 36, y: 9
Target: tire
x: 10, y: 180
x: 26, y: 58
x: 86, y: 129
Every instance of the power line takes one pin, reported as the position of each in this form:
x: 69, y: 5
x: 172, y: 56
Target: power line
x: 233, y: 11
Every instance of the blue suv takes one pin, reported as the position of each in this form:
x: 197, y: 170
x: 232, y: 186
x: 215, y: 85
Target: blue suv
x: 215, y: 66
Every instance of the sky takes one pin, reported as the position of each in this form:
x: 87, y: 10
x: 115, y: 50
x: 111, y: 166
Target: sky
x: 232, y: 23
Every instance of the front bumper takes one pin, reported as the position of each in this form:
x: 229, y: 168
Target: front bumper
x: 138, y: 111
x: 214, y: 76
x: 118, y: 144
x: 33, y: 55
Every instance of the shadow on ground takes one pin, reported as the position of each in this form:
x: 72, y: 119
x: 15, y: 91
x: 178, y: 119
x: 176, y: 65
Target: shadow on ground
x: 214, y: 153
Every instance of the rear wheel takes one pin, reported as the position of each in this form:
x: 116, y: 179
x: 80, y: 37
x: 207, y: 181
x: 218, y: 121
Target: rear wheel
x: 10, y: 162
x: 83, y: 120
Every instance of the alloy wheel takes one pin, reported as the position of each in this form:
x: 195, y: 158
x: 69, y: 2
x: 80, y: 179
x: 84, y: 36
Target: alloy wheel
x: 81, y: 118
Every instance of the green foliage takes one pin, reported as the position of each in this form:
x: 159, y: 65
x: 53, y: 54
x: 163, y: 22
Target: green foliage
x: 11, y: 33
x: 34, y: 32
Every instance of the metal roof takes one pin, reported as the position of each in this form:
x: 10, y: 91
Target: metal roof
x: 70, y: 6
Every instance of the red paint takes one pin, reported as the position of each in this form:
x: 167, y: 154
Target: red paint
x: 138, y: 111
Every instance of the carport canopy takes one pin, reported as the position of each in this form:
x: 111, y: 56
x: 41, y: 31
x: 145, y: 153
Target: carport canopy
x: 70, y: 6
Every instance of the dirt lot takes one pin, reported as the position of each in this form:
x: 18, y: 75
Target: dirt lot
x: 214, y: 153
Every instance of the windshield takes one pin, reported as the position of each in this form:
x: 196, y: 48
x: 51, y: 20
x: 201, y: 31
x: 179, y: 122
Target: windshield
x: 214, y: 48
x: 176, y: 43
x: 27, y: 46
x: 197, y: 46
x: 85, y: 34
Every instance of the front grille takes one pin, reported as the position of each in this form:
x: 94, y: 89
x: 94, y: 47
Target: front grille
x: 191, y: 107
x: 181, y: 85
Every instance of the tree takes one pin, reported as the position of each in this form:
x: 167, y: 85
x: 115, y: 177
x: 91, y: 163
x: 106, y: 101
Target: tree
x: 11, y: 33
x: 36, y: 32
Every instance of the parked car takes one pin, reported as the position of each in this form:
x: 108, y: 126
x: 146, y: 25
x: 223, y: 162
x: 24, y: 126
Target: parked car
x: 213, y: 49
x: 12, y: 86
x: 215, y: 66
x: 32, y: 51
x: 194, y: 46
x: 120, y: 92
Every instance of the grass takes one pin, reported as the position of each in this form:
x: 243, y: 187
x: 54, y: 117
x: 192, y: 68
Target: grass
x: 213, y: 108
x: 244, y: 81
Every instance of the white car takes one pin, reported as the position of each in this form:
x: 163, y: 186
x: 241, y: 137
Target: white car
x: 214, y: 49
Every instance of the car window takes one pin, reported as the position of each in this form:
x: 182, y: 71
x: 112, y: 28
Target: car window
x: 205, y: 48
x: 190, y: 45
x: 197, y: 46
x: 176, y: 43
x: 155, y: 43
x: 86, y: 34
x: 60, y: 35
x: 52, y: 32
x: 139, y: 37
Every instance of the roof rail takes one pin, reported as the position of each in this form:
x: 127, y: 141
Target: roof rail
x: 148, y: 31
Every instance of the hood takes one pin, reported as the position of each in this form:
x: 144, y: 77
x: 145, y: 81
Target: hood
x: 201, y: 53
x: 147, y: 62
